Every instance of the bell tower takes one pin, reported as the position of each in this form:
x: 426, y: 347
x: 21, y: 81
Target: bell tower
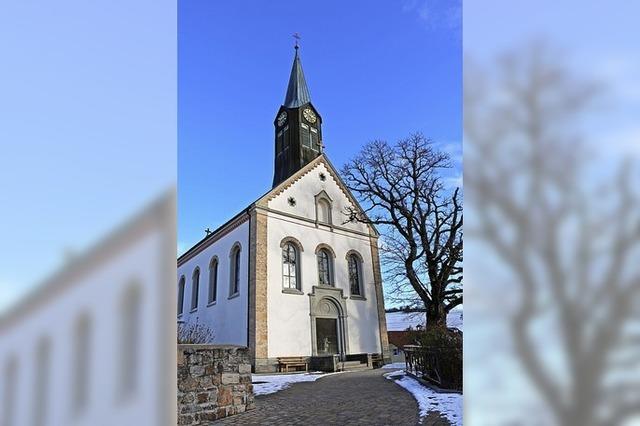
x: 298, y: 132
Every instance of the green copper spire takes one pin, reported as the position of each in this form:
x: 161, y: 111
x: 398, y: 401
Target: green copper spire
x: 297, y: 91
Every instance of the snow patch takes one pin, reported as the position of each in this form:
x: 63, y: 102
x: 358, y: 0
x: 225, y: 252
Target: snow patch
x: 263, y: 385
x: 447, y: 404
x: 400, y: 365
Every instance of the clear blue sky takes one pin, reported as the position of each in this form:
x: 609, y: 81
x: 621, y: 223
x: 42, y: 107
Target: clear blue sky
x: 374, y: 70
x: 87, y: 126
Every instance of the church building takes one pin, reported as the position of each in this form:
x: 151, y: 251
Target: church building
x: 290, y: 275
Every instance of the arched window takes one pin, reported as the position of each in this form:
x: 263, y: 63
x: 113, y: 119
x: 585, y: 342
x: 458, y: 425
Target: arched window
x: 324, y: 211
x: 234, y: 288
x: 195, y: 289
x: 355, y: 280
x: 181, y: 295
x: 9, y: 391
x: 213, y: 280
x: 290, y: 267
x: 129, y: 349
x: 41, y: 383
x: 81, y: 364
x: 324, y: 267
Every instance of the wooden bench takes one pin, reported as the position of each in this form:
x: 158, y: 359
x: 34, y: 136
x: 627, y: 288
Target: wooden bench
x: 292, y: 361
x: 376, y: 360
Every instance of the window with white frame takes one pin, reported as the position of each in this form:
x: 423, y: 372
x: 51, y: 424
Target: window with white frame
x: 234, y: 258
x: 324, y: 267
x: 181, y: 295
x: 195, y: 289
x: 324, y: 211
x: 290, y: 267
x: 355, y: 279
x: 213, y: 280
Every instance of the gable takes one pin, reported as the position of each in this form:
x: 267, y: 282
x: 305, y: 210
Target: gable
x: 317, y: 180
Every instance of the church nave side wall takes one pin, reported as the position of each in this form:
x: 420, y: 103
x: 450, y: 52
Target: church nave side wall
x: 227, y: 317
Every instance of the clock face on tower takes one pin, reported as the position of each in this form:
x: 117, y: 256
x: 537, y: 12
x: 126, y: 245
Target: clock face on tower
x: 282, y: 118
x: 309, y: 115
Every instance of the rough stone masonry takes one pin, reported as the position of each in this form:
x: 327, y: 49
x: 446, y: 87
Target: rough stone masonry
x: 214, y: 382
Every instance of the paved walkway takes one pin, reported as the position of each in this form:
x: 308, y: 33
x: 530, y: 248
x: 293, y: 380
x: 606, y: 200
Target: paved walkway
x: 353, y: 398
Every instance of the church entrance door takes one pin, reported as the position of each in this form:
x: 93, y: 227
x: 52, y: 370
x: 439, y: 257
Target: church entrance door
x: 327, y: 336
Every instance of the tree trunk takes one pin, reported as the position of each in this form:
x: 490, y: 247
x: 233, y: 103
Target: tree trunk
x: 436, y: 315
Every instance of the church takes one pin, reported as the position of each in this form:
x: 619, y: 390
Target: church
x: 290, y: 275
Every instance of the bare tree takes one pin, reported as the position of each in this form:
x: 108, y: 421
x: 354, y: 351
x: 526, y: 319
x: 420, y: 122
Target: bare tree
x: 403, y: 192
x: 569, y: 242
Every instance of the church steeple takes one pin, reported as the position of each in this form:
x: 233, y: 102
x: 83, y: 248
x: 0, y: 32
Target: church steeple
x: 297, y: 126
x: 297, y: 91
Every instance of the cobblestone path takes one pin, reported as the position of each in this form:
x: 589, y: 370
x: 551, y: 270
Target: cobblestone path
x: 353, y: 398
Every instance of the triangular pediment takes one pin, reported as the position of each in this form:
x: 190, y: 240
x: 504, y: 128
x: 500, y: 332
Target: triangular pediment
x: 297, y: 195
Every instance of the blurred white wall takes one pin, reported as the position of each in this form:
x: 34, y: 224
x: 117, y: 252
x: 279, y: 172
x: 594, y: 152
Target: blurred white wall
x: 108, y: 320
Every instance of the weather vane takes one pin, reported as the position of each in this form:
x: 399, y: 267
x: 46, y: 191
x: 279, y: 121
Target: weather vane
x: 297, y: 37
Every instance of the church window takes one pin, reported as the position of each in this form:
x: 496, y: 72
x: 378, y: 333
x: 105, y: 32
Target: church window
x: 280, y: 141
x: 324, y: 267
x: 195, y: 289
x: 305, y: 136
x: 324, y: 211
x: 43, y: 374
x: 181, y: 295
x: 213, y: 280
x: 235, y: 270
x: 10, y: 381
x: 290, y: 267
x: 355, y: 280
x: 129, y: 352
x: 314, y: 139
x: 81, y: 364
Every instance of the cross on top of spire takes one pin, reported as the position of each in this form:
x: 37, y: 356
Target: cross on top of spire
x: 297, y: 90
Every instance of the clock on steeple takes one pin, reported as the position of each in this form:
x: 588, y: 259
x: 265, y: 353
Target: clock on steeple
x: 298, y: 131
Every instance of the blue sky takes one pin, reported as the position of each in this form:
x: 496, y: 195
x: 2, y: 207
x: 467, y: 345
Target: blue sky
x: 87, y: 126
x: 375, y: 70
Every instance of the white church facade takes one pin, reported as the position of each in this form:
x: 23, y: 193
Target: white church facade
x: 291, y: 276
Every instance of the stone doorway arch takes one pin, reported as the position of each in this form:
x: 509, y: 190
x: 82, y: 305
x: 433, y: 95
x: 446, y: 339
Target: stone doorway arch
x: 329, y: 331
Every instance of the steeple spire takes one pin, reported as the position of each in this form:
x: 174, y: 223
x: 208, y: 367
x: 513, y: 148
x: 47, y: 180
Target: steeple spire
x: 298, y: 126
x: 297, y: 91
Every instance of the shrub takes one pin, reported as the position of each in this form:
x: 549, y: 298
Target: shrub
x: 438, y: 356
x: 194, y: 333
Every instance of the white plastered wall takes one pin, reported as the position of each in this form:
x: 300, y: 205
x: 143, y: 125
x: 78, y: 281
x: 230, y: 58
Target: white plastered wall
x: 288, y: 314
x: 227, y: 317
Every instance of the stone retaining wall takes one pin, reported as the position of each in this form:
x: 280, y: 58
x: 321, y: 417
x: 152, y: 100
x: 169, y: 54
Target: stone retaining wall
x: 214, y: 381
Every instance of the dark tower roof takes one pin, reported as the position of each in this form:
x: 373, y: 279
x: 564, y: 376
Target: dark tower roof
x: 297, y: 91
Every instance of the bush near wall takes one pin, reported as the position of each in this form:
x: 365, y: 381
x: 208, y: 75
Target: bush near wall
x: 214, y: 382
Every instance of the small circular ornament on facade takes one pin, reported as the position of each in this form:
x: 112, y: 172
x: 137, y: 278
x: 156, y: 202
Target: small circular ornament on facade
x: 323, y: 177
x: 292, y: 201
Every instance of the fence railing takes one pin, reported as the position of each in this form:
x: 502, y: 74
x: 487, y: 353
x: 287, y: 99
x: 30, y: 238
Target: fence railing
x: 441, y: 366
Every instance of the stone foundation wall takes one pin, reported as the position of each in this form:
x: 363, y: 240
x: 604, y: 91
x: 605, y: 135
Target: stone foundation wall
x: 213, y: 382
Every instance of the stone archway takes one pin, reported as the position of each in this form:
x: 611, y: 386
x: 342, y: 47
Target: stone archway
x: 328, y: 322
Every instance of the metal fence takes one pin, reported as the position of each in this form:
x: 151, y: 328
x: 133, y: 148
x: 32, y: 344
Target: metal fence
x: 441, y: 366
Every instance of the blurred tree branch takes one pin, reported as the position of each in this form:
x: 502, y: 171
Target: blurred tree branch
x: 571, y: 246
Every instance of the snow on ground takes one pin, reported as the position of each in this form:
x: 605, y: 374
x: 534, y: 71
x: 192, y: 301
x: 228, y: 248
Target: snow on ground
x: 395, y: 365
x: 400, y: 321
x: 448, y: 404
x: 279, y: 382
